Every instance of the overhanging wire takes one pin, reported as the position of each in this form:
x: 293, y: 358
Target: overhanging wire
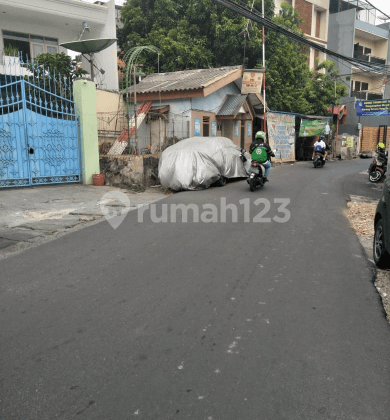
x: 255, y: 16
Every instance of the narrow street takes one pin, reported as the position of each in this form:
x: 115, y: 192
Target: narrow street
x: 246, y: 320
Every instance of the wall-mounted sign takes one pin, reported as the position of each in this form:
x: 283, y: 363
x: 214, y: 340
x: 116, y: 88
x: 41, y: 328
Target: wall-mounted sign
x: 311, y: 128
x: 252, y: 81
x: 281, y: 136
x: 373, y: 108
x: 249, y: 132
x: 236, y: 129
x: 213, y: 128
x: 197, y: 127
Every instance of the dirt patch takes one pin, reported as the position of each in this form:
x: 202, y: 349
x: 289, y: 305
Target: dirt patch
x: 360, y: 213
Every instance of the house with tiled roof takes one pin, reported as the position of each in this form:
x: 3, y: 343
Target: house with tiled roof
x: 201, y: 102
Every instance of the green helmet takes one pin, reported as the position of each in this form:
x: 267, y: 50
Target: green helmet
x: 260, y: 135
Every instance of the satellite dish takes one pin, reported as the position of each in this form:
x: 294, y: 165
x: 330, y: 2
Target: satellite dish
x: 89, y: 46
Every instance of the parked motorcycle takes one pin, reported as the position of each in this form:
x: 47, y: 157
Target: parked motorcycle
x: 378, y: 167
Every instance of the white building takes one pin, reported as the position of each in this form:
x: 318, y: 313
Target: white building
x: 38, y: 26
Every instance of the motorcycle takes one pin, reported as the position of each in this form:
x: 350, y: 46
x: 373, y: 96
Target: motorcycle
x: 318, y: 160
x: 378, y: 166
x: 256, y: 175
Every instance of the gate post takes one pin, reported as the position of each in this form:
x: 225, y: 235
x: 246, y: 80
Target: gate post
x: 84, y: 93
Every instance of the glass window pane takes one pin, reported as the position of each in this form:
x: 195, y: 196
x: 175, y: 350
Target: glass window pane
x: 37, y: 49
x: 357, y: 85
x: 15, y: 34
x: 52, y: 41
x: 367, y: 50
x: 51, y: 50
x: 364, y: 86
x: 36, y: 38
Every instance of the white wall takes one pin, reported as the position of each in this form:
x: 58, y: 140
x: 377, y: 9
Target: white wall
x: 63, y: 19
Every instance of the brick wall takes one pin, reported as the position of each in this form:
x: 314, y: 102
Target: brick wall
x: 370, y: 138
x: 305, y: 10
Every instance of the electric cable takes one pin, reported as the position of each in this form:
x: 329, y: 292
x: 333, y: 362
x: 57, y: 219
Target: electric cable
x: 255, y: 16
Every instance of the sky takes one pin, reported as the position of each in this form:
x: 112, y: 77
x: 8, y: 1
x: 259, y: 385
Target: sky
x: 382, y: 5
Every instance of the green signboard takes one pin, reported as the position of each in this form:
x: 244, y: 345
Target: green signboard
x: 311, y: 128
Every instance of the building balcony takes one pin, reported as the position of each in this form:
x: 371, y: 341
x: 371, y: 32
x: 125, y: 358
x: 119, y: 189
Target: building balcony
x: 369, y: 58
x: 365, y: 96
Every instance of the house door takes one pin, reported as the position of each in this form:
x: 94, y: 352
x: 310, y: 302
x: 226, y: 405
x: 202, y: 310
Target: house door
x: 206, y: 126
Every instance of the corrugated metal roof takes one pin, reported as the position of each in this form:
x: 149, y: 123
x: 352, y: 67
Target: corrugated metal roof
x: 231, y: 105
x: 183, y: 80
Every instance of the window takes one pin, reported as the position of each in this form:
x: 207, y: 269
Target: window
x: 367, y: 50
x: 361, y: 86
x: 358, y: 49
x: 30, y: 46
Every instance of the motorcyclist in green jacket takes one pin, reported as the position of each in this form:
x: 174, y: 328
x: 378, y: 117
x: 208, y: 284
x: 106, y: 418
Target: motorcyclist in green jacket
x: 262, y: 152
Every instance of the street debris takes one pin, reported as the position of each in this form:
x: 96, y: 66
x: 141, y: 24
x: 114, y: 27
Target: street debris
x: 361, y: 213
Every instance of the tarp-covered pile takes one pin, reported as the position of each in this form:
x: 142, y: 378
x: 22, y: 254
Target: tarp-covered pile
x: 198, y: 162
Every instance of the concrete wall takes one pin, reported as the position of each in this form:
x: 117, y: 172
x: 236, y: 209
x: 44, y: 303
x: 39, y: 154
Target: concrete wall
x: 85, y: 98
x: 341, y: 37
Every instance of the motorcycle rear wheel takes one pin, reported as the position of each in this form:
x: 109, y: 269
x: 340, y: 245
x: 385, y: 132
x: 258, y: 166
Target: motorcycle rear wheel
x: 375, y: 175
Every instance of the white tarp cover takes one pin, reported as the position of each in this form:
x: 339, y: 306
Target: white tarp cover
x: 198, y: 162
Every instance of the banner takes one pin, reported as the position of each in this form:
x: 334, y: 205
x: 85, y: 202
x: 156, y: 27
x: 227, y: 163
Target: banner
x: 197, y: 126
x: 281, y: 135
x: 252, y: 82
x: 213, y: 128
x: 311, y: 128
x: 373, y: 108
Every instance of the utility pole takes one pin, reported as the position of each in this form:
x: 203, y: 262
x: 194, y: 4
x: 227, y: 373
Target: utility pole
x: 265, y: 117
x: 333, y: 105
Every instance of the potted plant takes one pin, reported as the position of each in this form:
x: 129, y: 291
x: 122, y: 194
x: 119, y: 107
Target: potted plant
x: 98, y: 179
x: 11, y: 55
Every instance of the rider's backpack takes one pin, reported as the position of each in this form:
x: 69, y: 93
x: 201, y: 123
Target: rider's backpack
x: 260, y: 154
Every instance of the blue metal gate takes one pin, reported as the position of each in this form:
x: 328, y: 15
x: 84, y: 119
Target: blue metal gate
x: 39, y: 129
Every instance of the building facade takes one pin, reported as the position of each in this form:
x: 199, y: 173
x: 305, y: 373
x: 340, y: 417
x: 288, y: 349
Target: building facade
x: 315, y: 27
x: 357, y: 33
x: 40, y: 26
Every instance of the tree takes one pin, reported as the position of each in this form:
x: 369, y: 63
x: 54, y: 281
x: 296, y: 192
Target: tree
x: 287, y: 69
x: 320, y: 89
x: 190, y: 34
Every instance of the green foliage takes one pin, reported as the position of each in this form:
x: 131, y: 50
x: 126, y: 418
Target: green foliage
x: 10, y: 50
x: 190, y: 34
x: 320, y: 89
x: 194, y: 34
x: 60, y: 63
x: 291, y: 86
x: 287, y: 67
x: 53, y: 73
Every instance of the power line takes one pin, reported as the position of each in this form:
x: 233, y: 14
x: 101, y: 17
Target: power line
x: 254, y: 15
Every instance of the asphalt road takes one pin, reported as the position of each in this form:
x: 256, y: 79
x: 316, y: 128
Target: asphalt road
x: 247, y: 320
